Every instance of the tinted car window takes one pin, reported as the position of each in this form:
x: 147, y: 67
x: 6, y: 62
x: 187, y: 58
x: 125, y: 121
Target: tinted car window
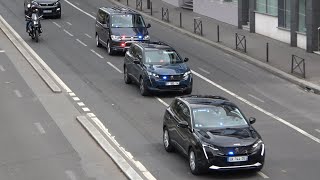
x: 218, y: 117
x: 182, y: 111
x: 102, y: 16
x: 127, y: 21
x: 162, y: 57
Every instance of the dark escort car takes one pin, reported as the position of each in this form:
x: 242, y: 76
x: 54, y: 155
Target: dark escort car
x: 117, y: 28
x: 48, y: 8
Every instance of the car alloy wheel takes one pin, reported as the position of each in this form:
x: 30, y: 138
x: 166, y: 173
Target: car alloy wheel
x: 97, y: 41
x: 192, y: 160
x: 166, y: 141
x: 110, y: 51
x: 142, y: 88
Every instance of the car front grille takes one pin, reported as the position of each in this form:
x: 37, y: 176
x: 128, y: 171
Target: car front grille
x: 242, y: 150
x: 46, y: 4
x: 173, y: 77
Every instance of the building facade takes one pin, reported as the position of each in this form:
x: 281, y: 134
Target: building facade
x: 295, y: 22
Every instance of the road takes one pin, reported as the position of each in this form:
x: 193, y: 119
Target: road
x: 37, y: 142
x: 68, y: 47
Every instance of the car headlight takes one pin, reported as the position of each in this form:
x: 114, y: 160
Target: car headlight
x: 153, y: 74
x: 257, y: 145
x: 147, y: 37
x: 115, y: 38
x: 57, y: 3
x: 212, y: 149
x: 186, y: 75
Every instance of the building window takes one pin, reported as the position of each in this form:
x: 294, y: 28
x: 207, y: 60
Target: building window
x: 284, y: 13
x: 302, y: 16
x: 267, y: 6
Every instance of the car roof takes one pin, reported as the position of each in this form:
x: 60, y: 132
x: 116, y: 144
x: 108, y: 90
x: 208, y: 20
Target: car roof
x: 196, y: 101
x: 155, y: 45
x: 118, y: 10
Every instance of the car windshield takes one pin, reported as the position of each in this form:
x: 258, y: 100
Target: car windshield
x: 218, y: 117
x: 159, y: 57
x: 127, y: 21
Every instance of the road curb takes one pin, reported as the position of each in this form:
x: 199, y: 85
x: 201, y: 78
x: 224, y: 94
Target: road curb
x: 107, y: 147
x: 300, y: 82
x: 24, y: 49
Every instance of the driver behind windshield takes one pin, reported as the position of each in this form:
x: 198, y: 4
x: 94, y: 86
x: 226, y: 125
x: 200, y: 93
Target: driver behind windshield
x: 162, y: 57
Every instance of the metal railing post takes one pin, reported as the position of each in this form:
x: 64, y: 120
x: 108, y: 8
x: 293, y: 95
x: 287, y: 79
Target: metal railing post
x: 127, y: 2
x: 267, y: 52
x: 245, y: 44
x: 218, y: 33
x: 162, y: 13
x: 180, y: 19
x: 151, y: 8
x: 148, y: 4
x: 292, y: 64
x: 236, y: 40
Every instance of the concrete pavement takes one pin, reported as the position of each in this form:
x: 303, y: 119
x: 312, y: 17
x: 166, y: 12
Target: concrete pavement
x: 38, y: 139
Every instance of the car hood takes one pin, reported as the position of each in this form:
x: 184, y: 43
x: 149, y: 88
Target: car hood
x: 169, y: 69
x: 46, y: 1
x: 229, y: 137
x: 129, y: 31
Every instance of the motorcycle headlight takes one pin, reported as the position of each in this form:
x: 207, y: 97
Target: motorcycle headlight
x: 186, y: 75
x: 153, y: 74
x: 115, y: 38
x: 257, y: 145
x: 147, y: 37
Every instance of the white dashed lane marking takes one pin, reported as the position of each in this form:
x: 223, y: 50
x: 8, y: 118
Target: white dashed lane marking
x: 2, y: 68
x: 2, y: 51
x: 72, y: 94
x: 69, y: 23
x: 40, y: 128
x: 263, y: 175
x: 96, y: 53
x: 317, y: 130
x: 114, y: 67
x: 162, y: 102
x: 57, y: 24
x: 88, y: 35
x: 76, y: 99
x: 203, y: 70
x: 68, y: 32
x: 80, y: 104
x: 85, y: 109
x: 79, y: 41
x: 18, y: 94
x: 258, y: 99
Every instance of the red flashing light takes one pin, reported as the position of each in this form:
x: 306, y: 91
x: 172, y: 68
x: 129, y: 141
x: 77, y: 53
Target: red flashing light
x: 123, y: 44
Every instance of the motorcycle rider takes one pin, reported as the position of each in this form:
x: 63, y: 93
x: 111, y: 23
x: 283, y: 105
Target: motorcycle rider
x: 31, y: 8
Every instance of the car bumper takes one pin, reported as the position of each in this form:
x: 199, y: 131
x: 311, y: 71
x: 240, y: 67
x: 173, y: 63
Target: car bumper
x: 123, y: 45
x: 157, y: 85
x: 50, y: 10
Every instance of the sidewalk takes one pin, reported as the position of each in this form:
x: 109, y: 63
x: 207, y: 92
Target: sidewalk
x: 280, y: 54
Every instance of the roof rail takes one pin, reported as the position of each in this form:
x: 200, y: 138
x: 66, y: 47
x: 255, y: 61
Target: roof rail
x: 158, y: 43
x: 206, y: 96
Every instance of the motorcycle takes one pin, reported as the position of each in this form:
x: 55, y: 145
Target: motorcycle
x: 34, y: 26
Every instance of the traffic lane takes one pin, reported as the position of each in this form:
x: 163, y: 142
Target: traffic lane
x: 32, y: 146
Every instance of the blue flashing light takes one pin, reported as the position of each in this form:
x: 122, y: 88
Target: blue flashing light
x: 230, y: 153
x: 140, y: 37
x: 164, y: 77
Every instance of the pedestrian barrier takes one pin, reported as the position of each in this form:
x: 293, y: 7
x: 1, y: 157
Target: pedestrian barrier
x: 151, y: 10
x: 197, y: 26
x: 296, y: 63
x: 165, y: 14
x: 139, y: 5
x: 148, y: 4
x: 267, y: 52
x: 218, y: 33
x: 241, y: 42
x: 180, y: 19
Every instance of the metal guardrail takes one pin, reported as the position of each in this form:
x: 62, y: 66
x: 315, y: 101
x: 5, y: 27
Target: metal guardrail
x: 298, y: 63
x: 241, y: 42
x: 197, y: 26
x: 165, y: 14
x: 139, y: 5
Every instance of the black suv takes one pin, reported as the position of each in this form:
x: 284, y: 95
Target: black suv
x: 46, y: 7
x: 213, y: 133
x: 156, y: 66
x: 117, y: 28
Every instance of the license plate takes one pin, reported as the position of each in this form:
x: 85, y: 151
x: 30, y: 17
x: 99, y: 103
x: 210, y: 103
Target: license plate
x: 47, y: 11
x: 238, y: 159
x: 172, y: 83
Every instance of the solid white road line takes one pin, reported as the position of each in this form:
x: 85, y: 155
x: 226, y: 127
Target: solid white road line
x: 162, y: 102
x: 71, y: 175
x: 263, y: 175
x: 68, y: 32
x: 258, y: 108
x: 76, y: 99
x: 40, y: 128
x: 258, y: 99
x: 203, y: 70
x: 69, y: 23
x: 114, y: 67
x: 2, y: 68
x: 88, y: 35
x: 317, y: 130
x: 56, y: 24
x: 2, y: 51
x: 96, y: 53
x: 85, y: 109
x: 80, y: 104
x: 81, y: 42
x: 18, y: 94
x: 79, y: 9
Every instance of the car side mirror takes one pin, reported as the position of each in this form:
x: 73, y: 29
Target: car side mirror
x: 186, y: 59
x: 148, y: 25
x: 252, y: 120
x: 106, y: 26
x: 183, y: 124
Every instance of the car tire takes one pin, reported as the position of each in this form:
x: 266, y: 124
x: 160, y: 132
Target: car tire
x: 58, y: 16
x: 109, y: 49
x: 195, y: 167
x: 167, y: 141
x: 126, y: 76
x: 188, y: 91
x: 142, y: 87
x: 98, y: 44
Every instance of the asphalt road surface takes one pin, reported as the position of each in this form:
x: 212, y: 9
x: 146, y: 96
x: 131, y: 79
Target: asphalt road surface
x: 68, y: 47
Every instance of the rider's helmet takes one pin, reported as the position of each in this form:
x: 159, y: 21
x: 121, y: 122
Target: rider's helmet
x: 34, y: 8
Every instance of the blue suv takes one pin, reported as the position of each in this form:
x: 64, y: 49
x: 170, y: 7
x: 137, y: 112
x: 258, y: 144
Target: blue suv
x: 156, y: 67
